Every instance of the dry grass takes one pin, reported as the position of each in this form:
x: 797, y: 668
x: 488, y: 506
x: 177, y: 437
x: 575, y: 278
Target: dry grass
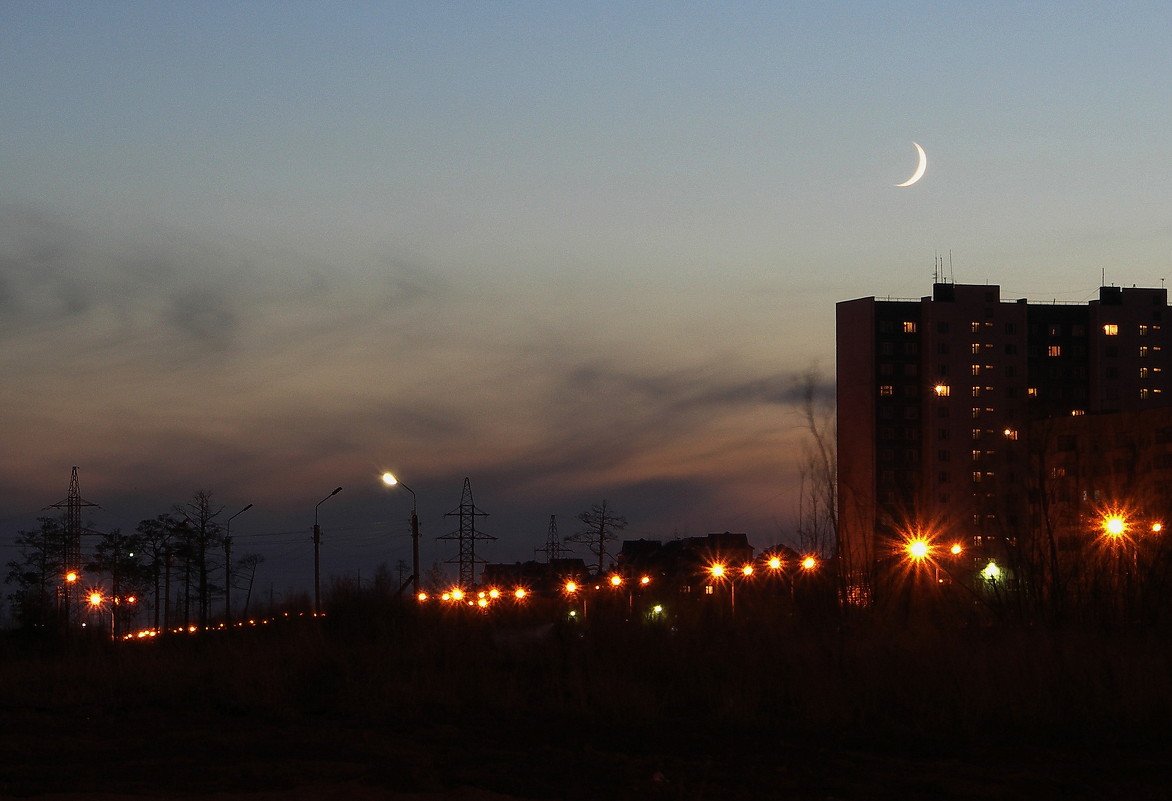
x: 934, y: 692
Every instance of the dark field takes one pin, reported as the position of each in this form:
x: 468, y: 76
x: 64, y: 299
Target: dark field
x: 370, y: 703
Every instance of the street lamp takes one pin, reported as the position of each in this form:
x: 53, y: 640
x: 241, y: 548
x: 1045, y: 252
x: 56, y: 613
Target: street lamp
x: 317, y: 555
x: 228, y: 565
x: 390, y: 480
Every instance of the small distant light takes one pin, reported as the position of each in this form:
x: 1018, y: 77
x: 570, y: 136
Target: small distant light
x: 519, y: 593
x: 494, y: 593
x: 956, y: 549
x: 747, y: 570
x: 657, y: 609
x: 809, y: 563
x: 421, y: 597
x: 1157, y: 528
x: 775, y: 563
x: 482, y: 603
x: 645, y: 580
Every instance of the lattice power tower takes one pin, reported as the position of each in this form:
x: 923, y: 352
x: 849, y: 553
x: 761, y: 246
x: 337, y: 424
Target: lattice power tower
x: 466, y: 536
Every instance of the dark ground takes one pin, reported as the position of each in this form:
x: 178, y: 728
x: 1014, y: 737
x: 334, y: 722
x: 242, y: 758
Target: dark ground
x: 162, y: 757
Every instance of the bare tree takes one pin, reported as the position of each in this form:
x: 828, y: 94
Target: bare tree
x: 601, y: 524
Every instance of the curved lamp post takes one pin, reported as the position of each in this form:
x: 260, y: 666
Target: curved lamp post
x: 390, y: 480
x: 316, y: 555
x: 228, y: 566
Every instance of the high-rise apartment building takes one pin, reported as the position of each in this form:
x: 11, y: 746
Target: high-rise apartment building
x: 941, y: 401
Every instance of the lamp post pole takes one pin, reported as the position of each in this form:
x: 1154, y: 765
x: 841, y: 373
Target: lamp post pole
x: 317, y: 554
x: 228, y: 566
x: 390, y: 480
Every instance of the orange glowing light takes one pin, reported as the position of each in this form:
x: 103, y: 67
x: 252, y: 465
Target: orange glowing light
x: 519, y: 593
x: 95, y: 599
x: 956, y: 549
x: 775, y: 563
x: 447, y: 596
x: 421, y: 597
x: 645, y: 580
x: 483, y: 602
x: 717, y: 570
x: 457, y: 594
x: 809, y: 563
x: 1114, y: 525
x: 71, y: 576
x: 571, y: 586
x: 917, y: 549
x: 131, y: 599
x: 494, y: 593
x: 616, y: 581
x: 1157, y: 528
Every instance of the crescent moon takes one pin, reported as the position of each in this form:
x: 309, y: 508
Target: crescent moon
x: 919, y: 173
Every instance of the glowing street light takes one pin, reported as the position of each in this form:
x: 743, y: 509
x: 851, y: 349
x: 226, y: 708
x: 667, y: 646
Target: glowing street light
x: 917, y: 549
x: 390, y: 480
x: 774, y: 563
x: 1114, y: 526
x: 991, y: 571
x: 317, y: 555
x: 809, y: 563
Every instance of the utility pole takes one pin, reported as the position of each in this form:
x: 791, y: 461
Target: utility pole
x: 553, y: 549
x: 71, y: 535
x: 317, y: 554
x: 228, y: 566
x: 466, y: 536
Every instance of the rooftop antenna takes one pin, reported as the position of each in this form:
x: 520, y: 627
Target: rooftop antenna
x: 951, y: 272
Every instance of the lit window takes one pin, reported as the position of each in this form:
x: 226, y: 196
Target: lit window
x: 976, y: 476
x: 976, y: 369
x: 976, y: 348
x: 1143, y: 330
x: 976, y: 456
x: 1054, y: 350
x: 976, y: 392
x: 1010, y: 433
x: 1144, y: 350
x: 886, y: 390
x: 1111, y: 329
x: 1077, y: 412
x: 909, y: 327
x: 1032, y: 392
x: 942, y: 390
x: 1143, y: 393
x: 975, y: 327
x: 976, y: 412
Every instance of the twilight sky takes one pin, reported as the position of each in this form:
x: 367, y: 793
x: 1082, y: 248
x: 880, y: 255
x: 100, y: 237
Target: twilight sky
x: 573, y: 251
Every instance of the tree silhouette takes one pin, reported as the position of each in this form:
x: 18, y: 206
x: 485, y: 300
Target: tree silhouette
x: 601, y: 524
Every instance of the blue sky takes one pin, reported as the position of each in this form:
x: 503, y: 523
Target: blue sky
x: 571, y: 251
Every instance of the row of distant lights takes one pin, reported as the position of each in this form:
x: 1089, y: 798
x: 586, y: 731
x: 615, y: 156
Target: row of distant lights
x: 486, y: 597
x: 146, y: 634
